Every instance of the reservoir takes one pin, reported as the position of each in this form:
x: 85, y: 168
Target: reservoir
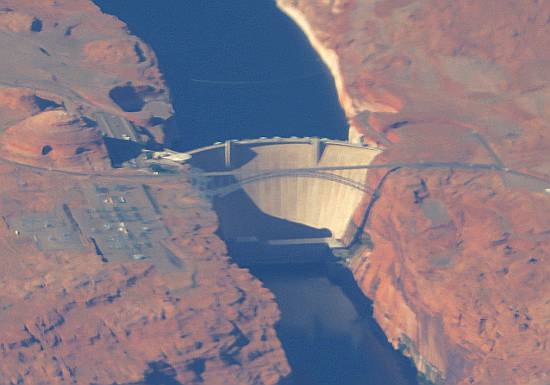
x: 235, y: 69
x: 242, y: 69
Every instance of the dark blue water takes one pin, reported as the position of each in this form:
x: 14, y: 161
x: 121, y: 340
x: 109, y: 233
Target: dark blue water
x: 237, y: 69
x: 327, y: 328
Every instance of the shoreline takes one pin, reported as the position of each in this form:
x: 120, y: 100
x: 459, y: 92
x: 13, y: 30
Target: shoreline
x: 329, y: 57
x: 331, y: 61
x: 352, y: 108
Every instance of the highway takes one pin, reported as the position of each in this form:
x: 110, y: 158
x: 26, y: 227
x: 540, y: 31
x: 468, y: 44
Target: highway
x: 147, y: 175
x: 414, y: 165
x: 116, y: 127
x: 196, y: 172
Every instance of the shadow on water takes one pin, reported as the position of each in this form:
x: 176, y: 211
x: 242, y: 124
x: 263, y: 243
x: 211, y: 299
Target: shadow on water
x: 326, y: 325
x: 214, y: 160
x: 236, y: 69
x: 160, y: 373
x: 240, y: 217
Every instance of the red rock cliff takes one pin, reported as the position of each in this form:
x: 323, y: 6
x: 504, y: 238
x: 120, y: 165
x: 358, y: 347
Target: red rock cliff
x: 459, y: 269
x: 70, y: 311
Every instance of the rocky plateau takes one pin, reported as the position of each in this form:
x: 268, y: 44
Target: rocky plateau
x: 457, y: 262
x: 458, y: 266
x: 69, y: 313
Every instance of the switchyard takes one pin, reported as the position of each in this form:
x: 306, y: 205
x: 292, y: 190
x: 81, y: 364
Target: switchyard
x: 116, y: 219
x: 50, y: 231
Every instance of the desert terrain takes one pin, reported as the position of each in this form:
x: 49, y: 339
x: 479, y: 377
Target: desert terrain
x: 117, y: 276
x: 109, y: 275
x: 458, y: 263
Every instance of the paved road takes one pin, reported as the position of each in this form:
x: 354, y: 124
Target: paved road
x: 234, y: 186
x: 116, y: 127
x: 134, y: 175
x: 159, y: 178
x: 417, y: 165
x: 411, y: 165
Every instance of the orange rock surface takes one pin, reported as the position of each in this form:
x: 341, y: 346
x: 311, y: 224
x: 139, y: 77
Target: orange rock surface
x: 56, y: 139
x: 69, y: 312
x: 69, y: 317
x: 70, y: 51
x: 459, y: 270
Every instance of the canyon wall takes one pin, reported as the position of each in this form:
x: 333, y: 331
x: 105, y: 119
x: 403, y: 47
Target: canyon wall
x: 69, y: 55
x: 71, y: 312
x: 458, y: 269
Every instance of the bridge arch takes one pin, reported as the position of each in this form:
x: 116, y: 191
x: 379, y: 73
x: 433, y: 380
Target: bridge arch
x: 255, y: 178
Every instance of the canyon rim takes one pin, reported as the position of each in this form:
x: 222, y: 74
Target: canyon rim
x: 455, y: 260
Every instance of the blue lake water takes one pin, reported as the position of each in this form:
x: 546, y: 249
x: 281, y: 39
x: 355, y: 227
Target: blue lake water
x: 242, y: 69
x: 235, y: 69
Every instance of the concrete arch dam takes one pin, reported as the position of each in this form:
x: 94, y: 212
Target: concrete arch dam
x: 278, y: 191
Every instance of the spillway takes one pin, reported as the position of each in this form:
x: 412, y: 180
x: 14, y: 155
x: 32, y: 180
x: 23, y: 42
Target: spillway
x: 278, y: 191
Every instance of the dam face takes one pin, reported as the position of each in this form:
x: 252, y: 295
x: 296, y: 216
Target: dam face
x: 285, y: 191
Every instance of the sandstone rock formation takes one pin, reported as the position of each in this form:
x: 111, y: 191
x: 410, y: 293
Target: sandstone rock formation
x: 69, y: 316
x: 19, y: 103
x: 55, y: 139
x: 71, y: 51
x: 71, y: 313
x: 459, y: 268
x: 15, y: 21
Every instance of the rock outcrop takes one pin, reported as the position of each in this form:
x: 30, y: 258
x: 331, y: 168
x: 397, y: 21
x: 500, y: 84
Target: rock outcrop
x: 74, y: 53
x: 71, y: 312
x: 70, y: 315
x: 459, y: 267
x: 55, y: 139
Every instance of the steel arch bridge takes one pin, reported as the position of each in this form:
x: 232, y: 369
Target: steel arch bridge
x: 214, y: 186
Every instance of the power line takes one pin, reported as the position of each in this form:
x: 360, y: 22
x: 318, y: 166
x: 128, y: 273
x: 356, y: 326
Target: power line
x: 254, y: 82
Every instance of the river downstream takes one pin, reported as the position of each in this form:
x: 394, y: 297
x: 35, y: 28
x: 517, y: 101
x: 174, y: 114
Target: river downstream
x: 327, y: 330
x: 242, y: 69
